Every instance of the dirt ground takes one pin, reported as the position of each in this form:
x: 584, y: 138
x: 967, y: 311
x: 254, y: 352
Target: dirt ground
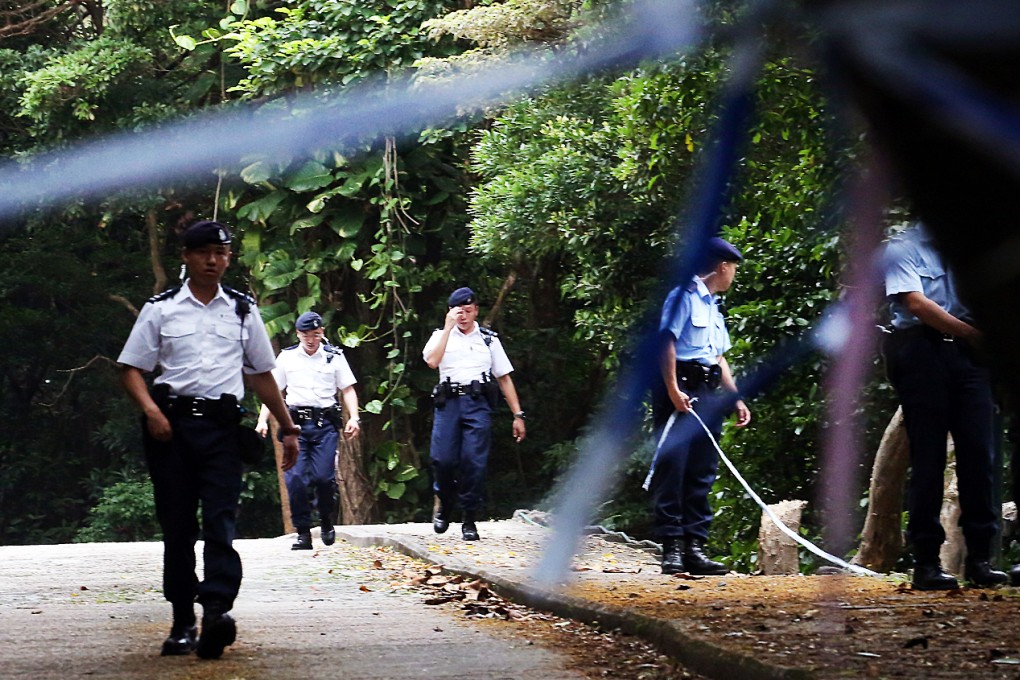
x: 829, y: 626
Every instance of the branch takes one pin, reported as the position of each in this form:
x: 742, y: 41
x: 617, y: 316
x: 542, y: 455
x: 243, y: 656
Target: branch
x: 127, y: 303
x: 73, y: 372
x: 497, y: 306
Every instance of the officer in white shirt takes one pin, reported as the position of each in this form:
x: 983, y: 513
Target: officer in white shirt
x: 206, y: 338
x: 473, y: 371
x: 310, y: 374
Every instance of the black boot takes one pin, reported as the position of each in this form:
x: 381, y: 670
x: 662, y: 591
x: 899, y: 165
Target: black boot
x: 928, y: 575
x: 328, y: 533
x: 183, y: 632
x: 441, y: 520
x: 468, y: 529
x: 1014, y: 575
x: 979, y: 572
x: 304, y: 539
x: 218, y: 632
x: 672, y: 555
x: 698, y: 563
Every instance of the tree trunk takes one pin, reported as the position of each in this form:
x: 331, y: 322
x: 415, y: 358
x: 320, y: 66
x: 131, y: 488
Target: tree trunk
x: 954, y: 549
x: 288, y: 524
x: 777, y: 552
x: 357, y: 502
x: 155, y: 252
x: 882, y: 537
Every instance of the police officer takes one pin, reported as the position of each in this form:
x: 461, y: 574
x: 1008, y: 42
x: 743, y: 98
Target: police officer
x: 310, y: 373
x: 473, y: 371
x: 943, y: 390
x: 206, y: 338
x: 692, y: 366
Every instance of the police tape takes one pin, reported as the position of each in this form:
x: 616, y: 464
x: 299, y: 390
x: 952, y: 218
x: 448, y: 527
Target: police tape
x: 757, y: 499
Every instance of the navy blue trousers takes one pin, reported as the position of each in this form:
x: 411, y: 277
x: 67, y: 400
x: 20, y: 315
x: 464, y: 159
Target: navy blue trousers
x: 461, y: 436
x: 314, y: 475
x: 944, y: 391
x: 685, y: 469
x: 200, y: 467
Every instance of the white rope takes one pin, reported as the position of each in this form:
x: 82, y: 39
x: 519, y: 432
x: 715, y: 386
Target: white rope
x: 775, y: 520
x: 658, y: 447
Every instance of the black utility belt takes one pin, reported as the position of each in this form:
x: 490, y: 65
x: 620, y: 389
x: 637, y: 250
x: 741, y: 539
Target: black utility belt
x: 177, y: 406
x: 486, y: 388
x: 300, y: 414
x: 694, y: 374
x: 923, y: 331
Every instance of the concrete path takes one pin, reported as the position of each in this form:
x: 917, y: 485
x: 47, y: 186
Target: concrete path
x: 96, y: 611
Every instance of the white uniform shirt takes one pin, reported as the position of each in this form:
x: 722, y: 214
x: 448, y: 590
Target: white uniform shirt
x: 467, y: 357
x: 312, y: 379
x: 199, y: 347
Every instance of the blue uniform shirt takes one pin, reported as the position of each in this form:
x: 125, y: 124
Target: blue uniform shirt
x: 913, y: 265
x: 696, y: 323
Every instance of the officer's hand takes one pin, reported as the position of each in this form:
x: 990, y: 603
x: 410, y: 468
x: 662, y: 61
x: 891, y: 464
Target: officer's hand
x: 290, y: 451
x: 453, y: 316
x: 262, y: 428
x: 352, y: 428
x: 520, y: 431
x: 743, y: 413
x: 682, y: 402
x: 159, y: 426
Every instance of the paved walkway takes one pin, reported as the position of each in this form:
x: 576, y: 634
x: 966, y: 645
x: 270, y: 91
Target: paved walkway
x: 95, y: 611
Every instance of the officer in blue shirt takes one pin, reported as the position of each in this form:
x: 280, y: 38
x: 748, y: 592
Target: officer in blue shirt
x: 311, y: 374
x: 943, y: 390
x: 206, y: 339
x: 473, y: 372
x: 693, y: 366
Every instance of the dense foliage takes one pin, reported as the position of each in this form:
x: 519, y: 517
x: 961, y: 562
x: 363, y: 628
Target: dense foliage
x: 559, y: 209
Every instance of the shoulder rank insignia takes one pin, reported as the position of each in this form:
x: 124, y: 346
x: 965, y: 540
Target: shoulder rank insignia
x: 165, y: 295
x: 291, y: 347
x: 331, y: 351
x: 487, y: 334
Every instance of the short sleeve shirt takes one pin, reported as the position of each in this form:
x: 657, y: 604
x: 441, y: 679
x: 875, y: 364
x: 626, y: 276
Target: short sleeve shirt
x: 692, y: 316
x: 312, y: 379
x: 913, y: 265
x: 468, y: 358
x: 202, y: 349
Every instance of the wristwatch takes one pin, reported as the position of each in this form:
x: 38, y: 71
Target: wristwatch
x: 520, y: 414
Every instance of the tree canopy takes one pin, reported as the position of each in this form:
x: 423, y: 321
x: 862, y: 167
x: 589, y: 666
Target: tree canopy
x: 560, y: 209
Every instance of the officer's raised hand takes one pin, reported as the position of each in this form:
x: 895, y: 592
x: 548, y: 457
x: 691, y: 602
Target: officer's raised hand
x: 453, y: 317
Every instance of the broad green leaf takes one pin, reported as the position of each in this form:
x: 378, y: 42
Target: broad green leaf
x: 257, y: 172
x: 311, y: 176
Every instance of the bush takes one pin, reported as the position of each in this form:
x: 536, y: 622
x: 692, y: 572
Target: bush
x: 126, y: 511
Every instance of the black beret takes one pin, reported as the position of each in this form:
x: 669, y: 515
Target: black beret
x: 206, y: 233
x: 308, y: 321
x: 461, y: 296
x: 723, y: 250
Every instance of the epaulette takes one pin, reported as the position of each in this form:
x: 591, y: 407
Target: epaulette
x: 487, y: 334
x: 331, y: 349
x: 291, y: 347
x: 242, y: 302
x: 165, y: 295
x: 238, y: 295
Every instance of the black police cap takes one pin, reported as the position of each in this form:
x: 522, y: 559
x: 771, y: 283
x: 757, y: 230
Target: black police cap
x: 723, y: 251
x: 206, y: 233
x: 461, y: 296
x: 308, y: 321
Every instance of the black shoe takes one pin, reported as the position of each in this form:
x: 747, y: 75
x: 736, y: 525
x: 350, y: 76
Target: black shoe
x: 982, y: 574
x: 181, y: 640
x: 304, y: 540
x: 698, y: 563
x: 672, y: 556
x: 328, y: 534
x: 929, y: 576
x: 469, y: 531
x: 1014, y: 575
x: 441, y: 521
x: 218, y: 632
